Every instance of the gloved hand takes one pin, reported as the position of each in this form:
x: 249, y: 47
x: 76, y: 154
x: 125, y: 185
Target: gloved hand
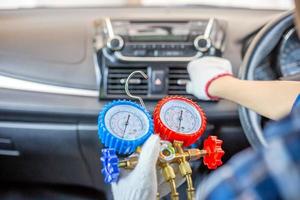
x: 141, y: 182
x: 203, y: 72
x: 145, y: 180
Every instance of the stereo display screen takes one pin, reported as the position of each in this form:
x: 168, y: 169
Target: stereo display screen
x: 158, y: 32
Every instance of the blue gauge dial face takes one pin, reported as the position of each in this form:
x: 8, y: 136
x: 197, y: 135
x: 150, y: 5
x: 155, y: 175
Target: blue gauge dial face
x: 181, y: 117
x: 126, y: 122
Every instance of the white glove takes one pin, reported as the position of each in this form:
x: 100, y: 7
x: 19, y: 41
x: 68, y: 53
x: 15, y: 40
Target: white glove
x: 203, y: 72
x: 141, y: 182
x: 145, y: 180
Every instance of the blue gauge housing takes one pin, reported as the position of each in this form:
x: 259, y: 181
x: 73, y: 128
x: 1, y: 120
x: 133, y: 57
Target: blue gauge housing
x: 121, y: 145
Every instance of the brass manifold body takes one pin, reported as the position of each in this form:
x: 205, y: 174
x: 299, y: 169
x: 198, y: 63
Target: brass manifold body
x: 171, y: 154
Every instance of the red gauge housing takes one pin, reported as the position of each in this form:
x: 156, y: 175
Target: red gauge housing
x: 171, y: 135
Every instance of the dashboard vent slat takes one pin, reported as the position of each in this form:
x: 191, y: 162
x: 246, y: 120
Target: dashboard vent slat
x: 116, y: 81
x: 178, y: 76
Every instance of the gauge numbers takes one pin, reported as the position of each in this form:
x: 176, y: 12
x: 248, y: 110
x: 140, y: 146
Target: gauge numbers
x: 181, y: 117
x: 126, y: 122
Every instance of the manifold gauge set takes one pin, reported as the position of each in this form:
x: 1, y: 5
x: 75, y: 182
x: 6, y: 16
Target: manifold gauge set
x: 123, y: 127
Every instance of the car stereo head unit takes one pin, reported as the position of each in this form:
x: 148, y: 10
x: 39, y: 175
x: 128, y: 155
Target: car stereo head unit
x: 142, y: 40
x: 159, y: 48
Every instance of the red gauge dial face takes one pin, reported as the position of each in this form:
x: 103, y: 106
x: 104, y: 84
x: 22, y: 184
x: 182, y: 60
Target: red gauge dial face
x: 178, y: 118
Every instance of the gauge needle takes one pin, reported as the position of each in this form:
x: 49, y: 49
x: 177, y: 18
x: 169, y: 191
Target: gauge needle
x: 126, y: 124
x: 180, y: 119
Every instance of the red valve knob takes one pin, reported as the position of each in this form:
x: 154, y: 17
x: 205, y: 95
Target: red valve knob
x: 166, y: 110
x: 213, y: 148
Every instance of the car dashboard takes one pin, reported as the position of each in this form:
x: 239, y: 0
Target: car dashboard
x: 59, y: 67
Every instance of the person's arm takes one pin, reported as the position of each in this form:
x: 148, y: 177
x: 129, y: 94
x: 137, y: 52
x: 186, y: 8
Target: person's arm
x: 211, y: 79
x: 272, y: 99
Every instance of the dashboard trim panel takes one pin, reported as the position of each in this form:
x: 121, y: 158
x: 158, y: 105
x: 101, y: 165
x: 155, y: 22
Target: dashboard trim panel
x: 18, y: 84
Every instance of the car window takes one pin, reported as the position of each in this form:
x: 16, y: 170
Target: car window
x: 256, y: 4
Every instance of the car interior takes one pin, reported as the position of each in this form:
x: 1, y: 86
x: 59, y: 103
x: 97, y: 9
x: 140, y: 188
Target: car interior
x: 61, y: 62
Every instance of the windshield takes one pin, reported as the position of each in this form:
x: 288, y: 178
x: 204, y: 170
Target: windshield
x: 255, y: 4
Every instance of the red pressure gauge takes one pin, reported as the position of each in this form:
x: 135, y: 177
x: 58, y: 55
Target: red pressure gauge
x: 179, y: 118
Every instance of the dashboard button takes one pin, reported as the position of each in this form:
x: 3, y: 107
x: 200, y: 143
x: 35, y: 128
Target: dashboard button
x: 141, y: 52
x: 158, y: 81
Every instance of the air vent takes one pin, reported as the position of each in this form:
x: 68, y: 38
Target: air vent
x: 178, y: 77
x: 117, y: 77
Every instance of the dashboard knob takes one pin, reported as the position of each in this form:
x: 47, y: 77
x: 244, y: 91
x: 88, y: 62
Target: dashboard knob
x: 115, y: 43
x: 202, y: 43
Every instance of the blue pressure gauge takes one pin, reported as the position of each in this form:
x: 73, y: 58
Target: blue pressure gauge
x: 124, y: 125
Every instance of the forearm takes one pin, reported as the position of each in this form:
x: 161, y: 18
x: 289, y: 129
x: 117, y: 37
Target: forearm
x: 272, y: 99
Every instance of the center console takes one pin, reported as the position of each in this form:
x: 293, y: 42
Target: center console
x: 160, y: 48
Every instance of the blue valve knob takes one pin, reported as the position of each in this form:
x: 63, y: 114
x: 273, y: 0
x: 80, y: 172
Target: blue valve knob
x: 124, y: 125
x: 110, y: 163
